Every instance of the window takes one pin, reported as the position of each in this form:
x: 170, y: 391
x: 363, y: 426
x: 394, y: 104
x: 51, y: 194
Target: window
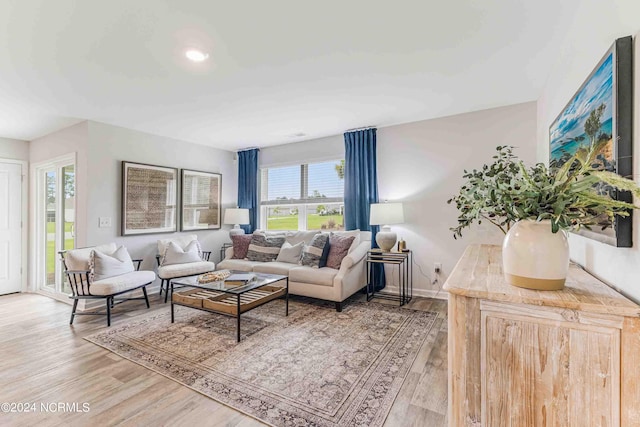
x: 55, y: 220
x: 303, y: 197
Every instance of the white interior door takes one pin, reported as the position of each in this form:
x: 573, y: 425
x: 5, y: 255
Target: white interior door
x: 10, y: 228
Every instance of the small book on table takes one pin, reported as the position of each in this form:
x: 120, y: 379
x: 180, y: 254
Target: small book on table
x: 239, y: 279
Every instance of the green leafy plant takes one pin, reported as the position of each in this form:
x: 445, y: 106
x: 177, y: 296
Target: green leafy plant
x: 578, y: 194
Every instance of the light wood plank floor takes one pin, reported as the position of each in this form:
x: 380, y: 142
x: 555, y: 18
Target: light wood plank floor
x: 43, y: 359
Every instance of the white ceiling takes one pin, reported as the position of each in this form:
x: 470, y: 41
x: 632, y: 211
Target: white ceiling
x: 276, y: 68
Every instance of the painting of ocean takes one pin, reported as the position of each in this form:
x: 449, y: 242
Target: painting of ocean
x: 568, y: 133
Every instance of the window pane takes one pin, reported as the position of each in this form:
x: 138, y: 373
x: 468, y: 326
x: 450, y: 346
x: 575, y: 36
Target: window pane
x: 50, y: 226
x: 325, y: 180
x: 329, y: 216
x: 69, y: 189
x: 314, y: 190
x: 282, y: 183
x: 282, y: 217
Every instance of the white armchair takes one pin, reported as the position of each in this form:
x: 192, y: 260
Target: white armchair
x: 77, y: 267
x: 182, y: 264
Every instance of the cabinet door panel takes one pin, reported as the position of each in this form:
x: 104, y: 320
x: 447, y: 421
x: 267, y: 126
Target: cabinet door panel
x: 548, y: 373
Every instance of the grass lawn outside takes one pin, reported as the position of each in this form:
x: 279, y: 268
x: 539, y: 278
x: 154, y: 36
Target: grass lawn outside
x: 290, y: 222
x: 51, y: 227
x: 51, y: 255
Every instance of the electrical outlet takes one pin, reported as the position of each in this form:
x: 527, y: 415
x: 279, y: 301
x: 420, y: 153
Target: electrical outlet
x: 104, y: 222
x: 437, y: 267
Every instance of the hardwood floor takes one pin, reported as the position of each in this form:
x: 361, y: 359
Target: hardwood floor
x: 43, y: 359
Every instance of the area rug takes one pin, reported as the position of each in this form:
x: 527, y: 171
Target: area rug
x: 316, y: 367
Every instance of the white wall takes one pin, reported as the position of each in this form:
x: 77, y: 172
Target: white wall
x: 315, y: 150
x: 421, y: 165
x: 596, y: 26
x: 14, y: 149
x: 110, y: 145
x: 100, y: 149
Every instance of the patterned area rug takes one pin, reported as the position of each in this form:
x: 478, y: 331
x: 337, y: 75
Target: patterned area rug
x: 316, y: 367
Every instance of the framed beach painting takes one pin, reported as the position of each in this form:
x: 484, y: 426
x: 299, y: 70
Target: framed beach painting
x: 149, y: 199
x: 200, y: 194
x: 601, y: 110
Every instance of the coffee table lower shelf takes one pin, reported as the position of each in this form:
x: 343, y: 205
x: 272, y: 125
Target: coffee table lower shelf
x: 233, y: 305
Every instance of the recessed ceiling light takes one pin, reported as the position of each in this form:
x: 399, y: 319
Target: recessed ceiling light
x: 196, y: 55
x: 297, y: 135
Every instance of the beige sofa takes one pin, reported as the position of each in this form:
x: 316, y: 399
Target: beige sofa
x: 323, y: 283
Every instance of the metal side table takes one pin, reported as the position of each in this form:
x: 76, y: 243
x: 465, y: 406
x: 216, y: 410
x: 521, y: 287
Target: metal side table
x: 404, y: 261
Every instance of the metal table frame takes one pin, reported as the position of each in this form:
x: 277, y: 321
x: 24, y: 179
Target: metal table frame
x: 238, y: 294
x: 404, y: 261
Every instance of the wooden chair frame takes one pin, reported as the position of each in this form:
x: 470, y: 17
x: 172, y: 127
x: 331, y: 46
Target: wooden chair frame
x: 80, y: 291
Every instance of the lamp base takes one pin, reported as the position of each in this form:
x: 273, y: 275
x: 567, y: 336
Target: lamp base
x: 386, y: 239
x: 236, y: 230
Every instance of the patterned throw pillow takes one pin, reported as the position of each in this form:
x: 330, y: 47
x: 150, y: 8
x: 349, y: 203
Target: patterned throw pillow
x: 240, y: 245
x: 315, y: 253
x: 354, y: 233
x: 338, y: 249
x: 263, y: 248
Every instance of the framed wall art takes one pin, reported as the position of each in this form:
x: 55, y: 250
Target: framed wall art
x: 149, y: 199
x: 201, y: 197
x: 601, y: 110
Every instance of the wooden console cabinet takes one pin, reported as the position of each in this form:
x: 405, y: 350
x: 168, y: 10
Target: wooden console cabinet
x: 520, y: 357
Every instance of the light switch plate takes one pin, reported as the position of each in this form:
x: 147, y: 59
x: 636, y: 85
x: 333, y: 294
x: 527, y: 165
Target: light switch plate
x: 104, y: 222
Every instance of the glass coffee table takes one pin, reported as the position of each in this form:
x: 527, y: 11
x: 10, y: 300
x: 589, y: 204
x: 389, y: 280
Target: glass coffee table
x: 228, y: 299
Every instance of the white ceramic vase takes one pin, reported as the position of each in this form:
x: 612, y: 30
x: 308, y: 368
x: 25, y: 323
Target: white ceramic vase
x: 535, y: 258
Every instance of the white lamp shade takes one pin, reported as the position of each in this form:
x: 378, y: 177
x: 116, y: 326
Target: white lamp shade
x: 386, y: 213
x: 236, y: 216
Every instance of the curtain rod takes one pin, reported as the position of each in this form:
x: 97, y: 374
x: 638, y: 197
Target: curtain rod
x: 362, y: 128
x: 250, y: 148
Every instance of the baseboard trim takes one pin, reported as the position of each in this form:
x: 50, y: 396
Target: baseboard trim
x: 425, y: 293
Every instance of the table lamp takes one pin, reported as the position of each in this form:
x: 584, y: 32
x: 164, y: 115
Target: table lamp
x: 385, y: 214
x: 236, y: 216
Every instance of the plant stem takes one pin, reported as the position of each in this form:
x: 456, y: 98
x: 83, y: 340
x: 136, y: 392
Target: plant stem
x: 496, y: 224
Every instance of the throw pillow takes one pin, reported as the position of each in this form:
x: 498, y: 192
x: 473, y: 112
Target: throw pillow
x: 263, y: 248
x: 315, y: 253
x: 355, y: 234
x: 290, y: 253
x: 240, y: 245
x: 180, y: 240
x: 174, y: 254
x: 105, y: 265
x: 338, y: 249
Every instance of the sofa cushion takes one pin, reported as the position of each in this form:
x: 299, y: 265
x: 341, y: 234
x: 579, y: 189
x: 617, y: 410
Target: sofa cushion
x: 315, y: 253
x: 338, y: 249
x: 78, y: 259
x: 174, y: 254
x: 318, y: 276
x: 274, y: 267
x: 181, y: 270
x: 181, y: 241
x: 290, y: 253
x: 263, y: 248
x: 295, y: 237
x: 121, y: 283
x: 237, y: 264
x: 103, y: 265
x: 241, y: 245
